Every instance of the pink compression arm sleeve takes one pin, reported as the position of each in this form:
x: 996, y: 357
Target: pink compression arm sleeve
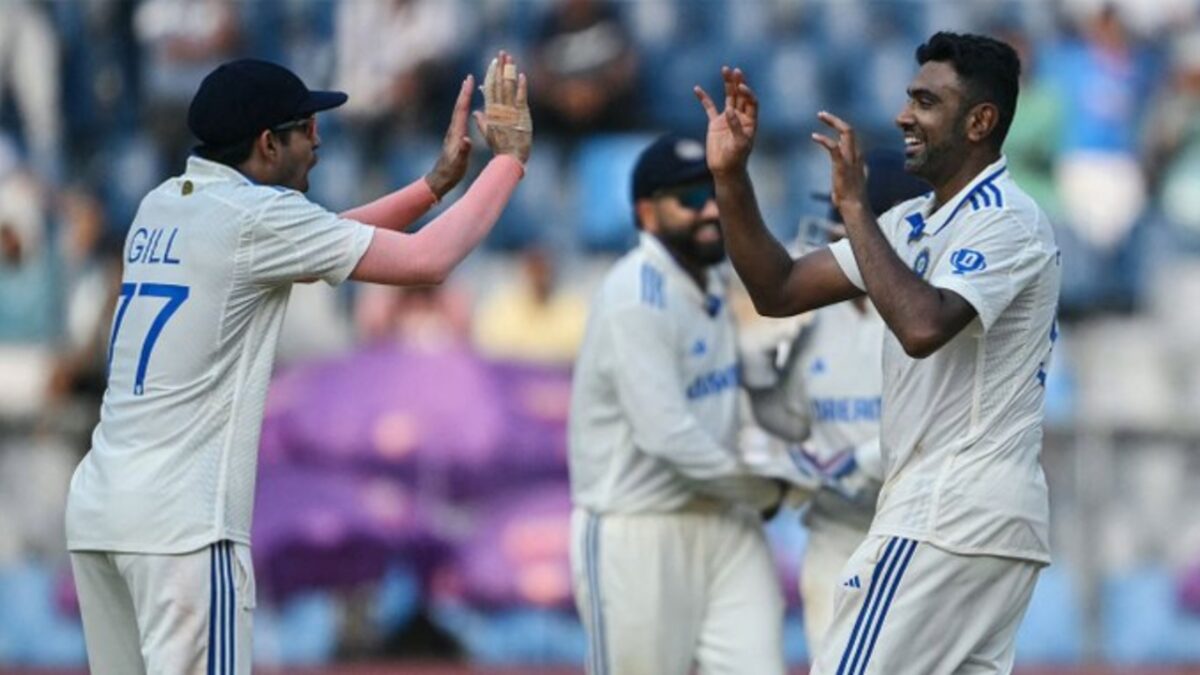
x: 427, y: 256
x: 397, y: 210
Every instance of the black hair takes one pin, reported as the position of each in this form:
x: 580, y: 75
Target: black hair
x: 234, y: 154
x: 990, y: 69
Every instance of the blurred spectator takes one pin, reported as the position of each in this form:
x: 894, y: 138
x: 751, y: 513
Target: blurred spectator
x: 1104, y: 78
x: 182, y: 41
x: 433, y: 317
x: 1036, y: 129
x: 532, y: 319
x: 585, y: 69
x: 100, y: 67
x: 395, y: 58
x: 90, y: 272
x: 29, y: 302
x: 29, y: 71
x: 1173, y: 135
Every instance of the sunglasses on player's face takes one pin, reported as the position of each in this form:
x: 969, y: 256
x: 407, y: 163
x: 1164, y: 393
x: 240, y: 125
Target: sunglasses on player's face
x: 306, y: 125
x: 693, y: 197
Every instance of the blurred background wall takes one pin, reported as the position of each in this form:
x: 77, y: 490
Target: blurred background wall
x: 412, y: 491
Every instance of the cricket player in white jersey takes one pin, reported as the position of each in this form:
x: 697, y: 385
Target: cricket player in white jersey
x: 671, y: 566
x: 159, y: 510
x: 826, y: 395
x: 966, y: 280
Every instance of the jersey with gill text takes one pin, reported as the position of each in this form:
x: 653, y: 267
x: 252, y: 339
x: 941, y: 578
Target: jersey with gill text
x: 655, y: 394
x: 962, y: 429
x: 208, y: 266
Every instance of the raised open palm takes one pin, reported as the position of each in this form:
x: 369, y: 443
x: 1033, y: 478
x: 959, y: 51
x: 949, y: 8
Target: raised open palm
x: 730, y: 137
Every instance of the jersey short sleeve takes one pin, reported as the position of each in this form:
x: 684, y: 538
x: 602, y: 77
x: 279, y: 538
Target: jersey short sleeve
x: 990, y: 262
x: 294, y: 239
x: 845, y: 259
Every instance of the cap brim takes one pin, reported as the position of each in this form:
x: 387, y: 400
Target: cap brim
x: 322, y: 100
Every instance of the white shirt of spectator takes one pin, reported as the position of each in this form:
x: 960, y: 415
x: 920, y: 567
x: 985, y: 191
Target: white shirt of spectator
x: 654, y: 406
x: 962, y: 429
x: 209, y: 262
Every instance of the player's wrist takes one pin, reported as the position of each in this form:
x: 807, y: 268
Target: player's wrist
x: 853, y: 209
x: 510, y: 160
x: 437, y: 187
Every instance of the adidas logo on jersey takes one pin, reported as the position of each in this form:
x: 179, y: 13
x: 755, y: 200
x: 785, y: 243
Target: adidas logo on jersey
x: 852, y: 582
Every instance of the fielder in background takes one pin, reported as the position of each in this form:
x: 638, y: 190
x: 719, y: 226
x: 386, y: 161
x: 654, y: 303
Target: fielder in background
x: 966, y: 279
x: 159, y: 510
x: 822, y: 389
x: 671, y: 567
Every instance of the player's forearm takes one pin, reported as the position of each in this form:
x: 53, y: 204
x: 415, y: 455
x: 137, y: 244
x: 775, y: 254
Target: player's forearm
x: 761, y: 261
x: 429, y: 256
x: 397, y: 210
x: 912, y: 308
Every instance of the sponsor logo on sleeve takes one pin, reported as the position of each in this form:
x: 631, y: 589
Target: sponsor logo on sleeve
x: 966, y: 260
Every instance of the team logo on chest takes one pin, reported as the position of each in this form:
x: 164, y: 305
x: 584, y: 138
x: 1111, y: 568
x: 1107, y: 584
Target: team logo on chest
x: 921, y: 263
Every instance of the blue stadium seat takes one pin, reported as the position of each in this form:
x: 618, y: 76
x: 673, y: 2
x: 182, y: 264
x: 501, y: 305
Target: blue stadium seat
x: 602, y: 167
x: 1143, y: 622
x: 302, y: 632
x: 789, y: 89
x: 33, y: 631
x: 668, y: 74
x: 535, y: 212
x: 515, y: 637
x: 1052, y: 631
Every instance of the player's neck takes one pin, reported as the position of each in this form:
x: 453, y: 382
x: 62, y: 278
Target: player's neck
x: 972, y: 165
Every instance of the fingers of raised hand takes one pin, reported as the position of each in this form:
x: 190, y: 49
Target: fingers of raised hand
x: 458, y: 121
x: 836, y: 122
x: 827, y: 143
x: 522, y: 91
x: 728, y: 80
x: 710, y: 108
x: 508, y: 81
x: 748, y: 100
x: 735, y: 123
x: 481, y: 122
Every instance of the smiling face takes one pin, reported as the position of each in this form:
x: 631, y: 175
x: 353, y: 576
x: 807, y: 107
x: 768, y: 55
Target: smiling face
x: 934, y: 122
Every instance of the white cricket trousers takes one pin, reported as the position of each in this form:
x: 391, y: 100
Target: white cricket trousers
x: 188, y: 614
x: 660, y: 592
x: 905, y: 607
x: 825, y: 555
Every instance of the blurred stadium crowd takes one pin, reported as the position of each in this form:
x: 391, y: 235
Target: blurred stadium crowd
x: 412, y: 488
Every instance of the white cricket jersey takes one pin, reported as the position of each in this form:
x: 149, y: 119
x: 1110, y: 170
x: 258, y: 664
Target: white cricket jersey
x: 839, y: 361
x: 962, y: 429
x: 209, y: 262
x: 654, y: 403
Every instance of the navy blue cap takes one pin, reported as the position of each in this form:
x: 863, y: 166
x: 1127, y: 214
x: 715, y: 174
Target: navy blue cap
x: 671, y: 160
x: 888, y: 183
x: 242, y: 98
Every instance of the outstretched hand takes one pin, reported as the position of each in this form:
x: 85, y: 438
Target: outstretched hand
x: 505, y: 120
x: 456, y: 147
x: 849, y: 172
x: 731, y: 131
